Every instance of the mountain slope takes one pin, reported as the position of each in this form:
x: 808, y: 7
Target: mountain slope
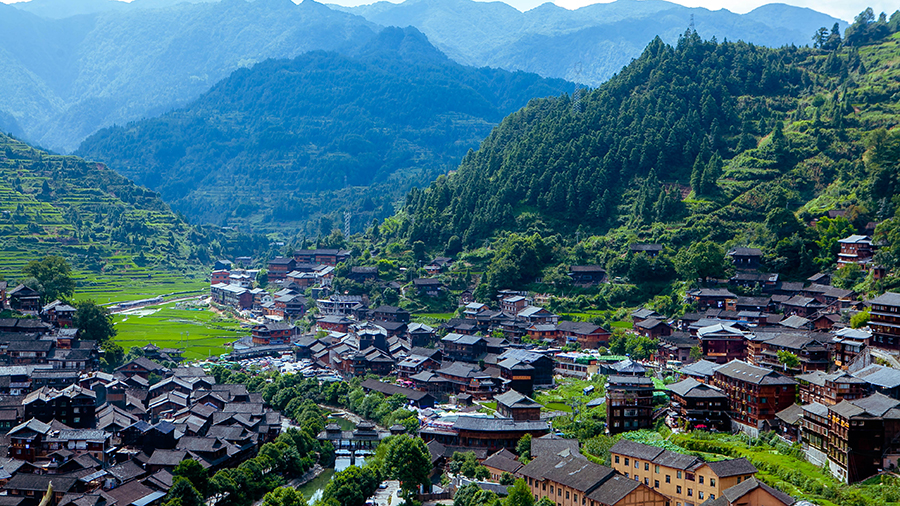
x: 699, y: 141
x: 65, y: 78
x: 102, y: 223
x: 272, y: 146
x: 589, y: 44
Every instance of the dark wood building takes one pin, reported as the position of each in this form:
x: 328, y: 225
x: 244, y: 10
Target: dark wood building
x: 696, y: 405
x: 629, y: 403
x: 884, y: 320
x: 512, y: 404
x: 755, y: 394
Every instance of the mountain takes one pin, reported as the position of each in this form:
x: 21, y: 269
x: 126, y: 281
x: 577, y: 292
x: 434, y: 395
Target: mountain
x: 586, y: 45
x: 102, y: 223
x: 65, y: 78
x: 726, y: 142
x: 60, y: 9
x: 285, y: 141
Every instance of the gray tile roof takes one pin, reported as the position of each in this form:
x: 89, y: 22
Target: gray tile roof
x: 732, y: 467
x: 743, y: 371
x: 735, y: 493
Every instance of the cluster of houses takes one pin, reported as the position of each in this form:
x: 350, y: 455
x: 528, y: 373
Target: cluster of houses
x: 114, y: 439
x: 109, y: 439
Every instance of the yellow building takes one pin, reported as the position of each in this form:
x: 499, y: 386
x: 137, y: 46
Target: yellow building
x: 572, y: 480
x: 686, y: 480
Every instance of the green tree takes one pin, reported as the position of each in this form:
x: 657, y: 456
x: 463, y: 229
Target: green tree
x: 696, y: 353
x: 183, y: 493
x: 351, y: 487
x: 704, y: 259
x: 860, y: 319
x: 113, y: 356
x: 830, y: 231
x: 519, y: 495
x: 284, y: 496
x: 407, y: 459
x: 262, y: 278
x: 54, y: 275
x: 195, y: 473
x: 507, y: 479
x: 848, y: 276
x: 788, y: 359
x: 523, y: 447
x: 94, y: 322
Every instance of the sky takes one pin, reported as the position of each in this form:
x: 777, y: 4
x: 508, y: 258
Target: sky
x: 843, y: 9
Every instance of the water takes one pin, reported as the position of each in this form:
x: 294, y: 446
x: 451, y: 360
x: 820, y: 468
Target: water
x: 312, y: 491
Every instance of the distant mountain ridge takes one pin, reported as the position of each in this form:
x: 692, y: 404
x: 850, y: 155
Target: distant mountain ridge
x: 589, y: 44
x: 72, y: 67
x: 65, y: 78
x: 272, y: 147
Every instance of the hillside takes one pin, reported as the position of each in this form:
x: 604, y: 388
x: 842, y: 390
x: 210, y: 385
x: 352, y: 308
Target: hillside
x: 723, y: 142
x: 588, y: 44
x: 64, y: 79
x: 118, y: 237
x: 286, y: 141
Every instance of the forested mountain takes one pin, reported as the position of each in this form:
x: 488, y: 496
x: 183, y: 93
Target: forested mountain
x: 95, y: 218
x: 702, y: 141
x: 586, y: 45
x: 287, y: 140
x: 63, y: 79
x: 71, y: 67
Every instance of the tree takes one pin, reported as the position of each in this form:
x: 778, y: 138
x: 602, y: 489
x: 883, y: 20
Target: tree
x: 696, y: 353
x: 407, y: 459
x: 284, y: 496
x: 351, y: 487
x: 262, y: 278
x: 702, y: 260
x: 482, y: 473
x: 54, y: 275
x: 523, y: 447
x: 860, y: 319
x: 113, y: 356
x: 95, y: 322
x: 195, y: 473
x: 519, y: 495
x: 848, y: 276
x: 788, y: 359
x: 820, y: 37
x: 183, y: 493
x: 507, y: 479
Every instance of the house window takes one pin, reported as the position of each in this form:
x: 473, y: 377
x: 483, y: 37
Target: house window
x: 690, y: 492
x: 656, y: 468
x: 617, y: 459
x: 678, y: 475
x: 567, y: 495
x: 701, y: 480
x: 646, y: 466
x: 712, y: 482
x: 668, y: 479
x: 655, y: 483
x: 647, y: 481
x: 678, y: 489
x: 712, y: 496
x: 700, y: 495
x: 627, y: 462
x: 637, y: 464
x: 739, y: 479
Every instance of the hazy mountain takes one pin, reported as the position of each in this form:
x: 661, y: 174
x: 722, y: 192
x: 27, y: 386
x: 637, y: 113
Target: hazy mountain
x: 65, y: 78
x: 59, y: 9
x: 271, y: 147
x: 589, y: 44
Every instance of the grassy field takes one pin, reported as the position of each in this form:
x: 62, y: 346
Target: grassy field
x: 199, y: 332
x: 568, y: 390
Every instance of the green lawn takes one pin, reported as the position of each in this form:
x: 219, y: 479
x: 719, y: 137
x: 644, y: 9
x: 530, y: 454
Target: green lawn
x: 622, y: 325
x: 200, y: 333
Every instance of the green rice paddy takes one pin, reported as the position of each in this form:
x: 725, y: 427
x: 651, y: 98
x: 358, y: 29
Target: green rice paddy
x: 201, y: 333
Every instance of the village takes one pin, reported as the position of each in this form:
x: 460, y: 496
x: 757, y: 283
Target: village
x: 784, y: 360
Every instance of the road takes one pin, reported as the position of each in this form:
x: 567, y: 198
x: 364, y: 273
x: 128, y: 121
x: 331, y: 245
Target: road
x: 388, y: 496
